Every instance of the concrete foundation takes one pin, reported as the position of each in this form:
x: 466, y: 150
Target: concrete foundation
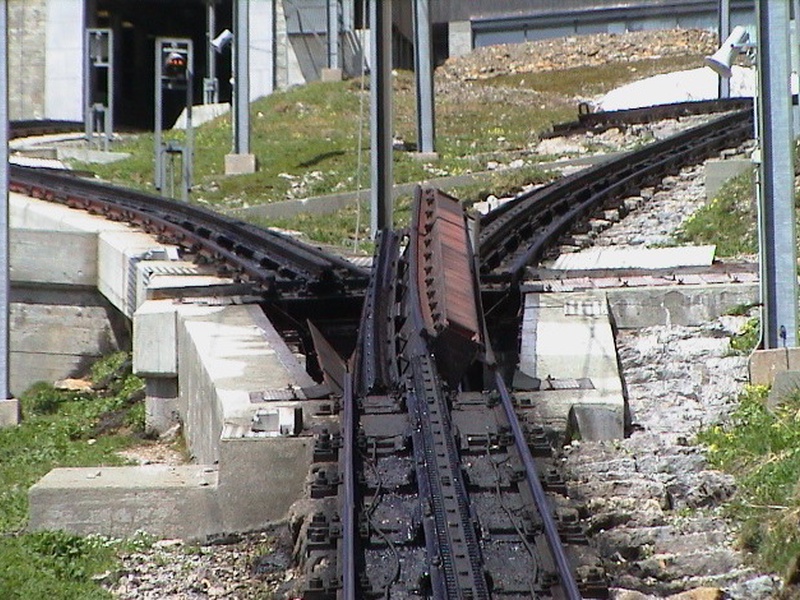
x: 9, y: 412
x: 240, y: 164
x: 330, y: 75
x: 231, y: 374
x: 460, y: 38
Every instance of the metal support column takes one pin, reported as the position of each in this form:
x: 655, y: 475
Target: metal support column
x: 423, y: 64
x: 724, y: 28
x: 380, y: 20
x: 334, y: 34
x: 241, y: 78
x: 794, y: 42
x: 4, y: 270
x: 777, y: 236
x: 210, y: 83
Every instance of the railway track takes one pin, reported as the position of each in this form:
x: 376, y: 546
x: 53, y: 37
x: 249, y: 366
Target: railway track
x: 275, y: 265
x: 519, y: 233
x: 429, y: 482
x: 440, y: 495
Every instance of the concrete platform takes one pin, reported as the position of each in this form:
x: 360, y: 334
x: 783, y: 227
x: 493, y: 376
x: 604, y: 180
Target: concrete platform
x: 568, y: 352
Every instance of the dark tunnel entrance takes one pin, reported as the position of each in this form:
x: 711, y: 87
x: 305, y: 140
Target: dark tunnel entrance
x: 136, y: 25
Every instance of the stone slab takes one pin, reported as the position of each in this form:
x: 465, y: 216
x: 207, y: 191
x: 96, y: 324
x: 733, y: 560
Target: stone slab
x: 328, y: 75
x: 636, y: 258
x: 88, y: 155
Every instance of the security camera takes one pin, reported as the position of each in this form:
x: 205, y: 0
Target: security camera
x: 723, y: 58
x: 220, y: 42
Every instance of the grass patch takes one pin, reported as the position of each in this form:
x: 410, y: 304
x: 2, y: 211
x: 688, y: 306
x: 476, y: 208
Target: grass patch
x: 306, y: 141
x: 762, y: 449
x: 729, y: 220
x: 63, y: 429
x: 339, y: 227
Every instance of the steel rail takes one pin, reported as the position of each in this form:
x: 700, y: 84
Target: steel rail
x: 271, y: 260
x: 605, y: 119
x: 537, y: 491
x: 347, y: 562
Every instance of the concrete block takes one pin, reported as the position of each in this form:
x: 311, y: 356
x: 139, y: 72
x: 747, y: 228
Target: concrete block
x: 634, y: 308
x: 261, y: 478
x: 117, y: 256
x: 39, y: 257
x: 29, y: 213
x: 240, y: 164
x: 155, y: 339
x: 330, y: 75
x: 719, y: 172
x: 766, y: 364
x: 9, y: 412
x: 165, y: 501
x: 147, y: 270
x: 595, y: 423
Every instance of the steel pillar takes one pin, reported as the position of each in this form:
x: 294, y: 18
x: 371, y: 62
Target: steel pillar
x: 423, y: 64
x: 4, y: 285
x: 210, y: 83
x: 380, y: 19
x: 724, y: 28
x: 333, y: 34
x: 241, y: 78
x: 777, y: 236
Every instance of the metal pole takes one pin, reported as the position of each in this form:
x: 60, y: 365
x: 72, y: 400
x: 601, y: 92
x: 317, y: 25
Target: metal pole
x: 110, y: 84
x: 724, y: 28
x: 795, y: 55
x: 423, y: 63
x: 241, y: 82
x: 4, y: 285
x: 778, y: 253
x: 157, y: 126
x: 380, y: 18
x: 333, y: 34
x: 210, y: 84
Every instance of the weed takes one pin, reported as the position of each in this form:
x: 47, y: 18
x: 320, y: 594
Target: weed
x: 728, y: 220
x: 748, y: 338
x: 762, y: 449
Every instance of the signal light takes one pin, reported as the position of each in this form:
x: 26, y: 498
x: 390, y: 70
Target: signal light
x: 175, y: 67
